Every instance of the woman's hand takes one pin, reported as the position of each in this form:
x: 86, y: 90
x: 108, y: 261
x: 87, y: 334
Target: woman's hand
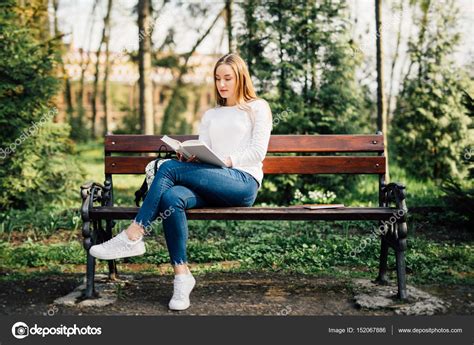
x: 228, y: 162
x: 190, y: 159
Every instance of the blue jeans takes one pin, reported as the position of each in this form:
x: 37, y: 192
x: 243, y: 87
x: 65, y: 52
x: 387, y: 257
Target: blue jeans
x: 178, y: 186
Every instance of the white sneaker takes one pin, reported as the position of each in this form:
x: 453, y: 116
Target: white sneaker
x: 183, y: 284
x: 118, y: 247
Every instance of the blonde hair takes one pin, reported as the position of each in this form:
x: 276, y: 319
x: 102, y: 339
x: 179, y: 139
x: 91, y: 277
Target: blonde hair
x: 244, y: 90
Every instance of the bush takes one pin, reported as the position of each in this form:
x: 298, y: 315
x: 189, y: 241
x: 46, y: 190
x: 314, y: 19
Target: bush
x: 36, y: 166
x: 430, y: 118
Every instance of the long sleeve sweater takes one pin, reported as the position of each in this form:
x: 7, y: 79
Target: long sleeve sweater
x: 232, y: 132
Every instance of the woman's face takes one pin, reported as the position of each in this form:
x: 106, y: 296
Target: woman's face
x: 225, y: 81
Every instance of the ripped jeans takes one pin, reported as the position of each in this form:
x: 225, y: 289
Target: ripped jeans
x: 178, y: 186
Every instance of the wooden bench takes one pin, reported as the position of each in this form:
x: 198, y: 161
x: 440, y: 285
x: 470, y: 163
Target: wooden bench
x: 98, y: 210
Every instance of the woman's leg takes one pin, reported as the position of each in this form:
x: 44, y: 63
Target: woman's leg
x: 178, y: 186
x: 182, y: 185
x: 173, y: 205
x: 239, y: 189
x: 218, y: 186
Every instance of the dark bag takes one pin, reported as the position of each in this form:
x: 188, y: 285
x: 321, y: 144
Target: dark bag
x: 141, y: 193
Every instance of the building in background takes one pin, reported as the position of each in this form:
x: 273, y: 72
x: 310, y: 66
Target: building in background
x: 123, y: 88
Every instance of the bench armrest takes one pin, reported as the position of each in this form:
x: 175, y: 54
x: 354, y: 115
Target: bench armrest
x: 93, y: 192
x: 396, y: 193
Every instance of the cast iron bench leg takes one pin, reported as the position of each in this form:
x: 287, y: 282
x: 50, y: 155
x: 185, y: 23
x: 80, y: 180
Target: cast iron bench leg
x: 400, y: 249
x: 382, y: 277
x: 401, y: 274
x: 90, y: 275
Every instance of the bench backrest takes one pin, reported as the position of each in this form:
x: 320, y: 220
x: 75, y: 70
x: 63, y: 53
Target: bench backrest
x: 373, y: 162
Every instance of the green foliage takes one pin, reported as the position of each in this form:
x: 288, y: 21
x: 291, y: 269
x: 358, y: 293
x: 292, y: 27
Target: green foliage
x: 31, y: 254
x: 302, y: 60
x: 39, y: 222
x: 334, y: 248
x: 79, y: 129
x: 130, y: 122
x: 172, y: 117
x: 430, y: 119
x: 36, y: 165
x: 301, y: 57
x: 461, y: 197
x: 315, y: 196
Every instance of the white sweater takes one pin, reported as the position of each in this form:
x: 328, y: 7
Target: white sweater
x: 228, y: 131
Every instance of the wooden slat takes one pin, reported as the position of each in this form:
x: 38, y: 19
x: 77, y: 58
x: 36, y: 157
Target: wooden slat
x: 278, y: 143
x: 324, y: 165
x: 274, y: 165
x: 259, y: 213
x: 126, y: 165
x: 326, y: 143
x: 139, y: 143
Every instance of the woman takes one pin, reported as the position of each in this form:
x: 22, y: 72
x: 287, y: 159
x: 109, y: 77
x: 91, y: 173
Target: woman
x: 238, y: 130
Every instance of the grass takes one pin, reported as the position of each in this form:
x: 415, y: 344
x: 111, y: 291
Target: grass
x: 92, y: 158
x: 419, y: 193
x: 304, y: 247
x: 48, y: 239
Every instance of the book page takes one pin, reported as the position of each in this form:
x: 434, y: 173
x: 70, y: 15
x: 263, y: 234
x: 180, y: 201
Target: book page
x: 196, y: 148
x: 173, y: 143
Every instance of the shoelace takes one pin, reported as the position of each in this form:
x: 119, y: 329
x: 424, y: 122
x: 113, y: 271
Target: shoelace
x: 112, y: 240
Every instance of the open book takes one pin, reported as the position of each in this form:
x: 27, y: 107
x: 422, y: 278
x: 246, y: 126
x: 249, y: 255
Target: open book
x: 319, y: 206
x: 196, y: 148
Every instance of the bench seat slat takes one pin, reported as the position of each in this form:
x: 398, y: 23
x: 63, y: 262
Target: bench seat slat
x: 278, y: 143
x: 259, y: 213
x: 274, y: 165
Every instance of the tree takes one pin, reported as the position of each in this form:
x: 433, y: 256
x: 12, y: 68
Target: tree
x: 105, y: 81
x: 300, y: 55
x: 228, y: 20
x: 147, y: 119
x: 381, y: 102
x: 430, y: 119
x: 34, y: 147
x: 252, y: 42
x: 67, y: 83
x: 95, y: 91
x: 401, y: 9
x: 178, y: 99
x: 79, y: 130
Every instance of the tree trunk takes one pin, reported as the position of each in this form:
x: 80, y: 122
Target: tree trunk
x: 425, y: 6
x: 106, y: 72
x: 182, y: 71
x: 67, y: 83
x: 95, y: 91
x: 85, y: 65
x: 395, y: 59
x: 381, y: 103
x: 228, y: 16
x: 250, y: 23
x: 282, y: 83
x: 43, y: 19
x: 144, y: 68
